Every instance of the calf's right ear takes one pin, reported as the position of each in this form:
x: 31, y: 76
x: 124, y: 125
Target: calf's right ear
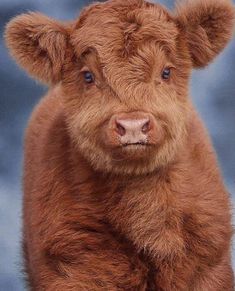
x: 38, y: 44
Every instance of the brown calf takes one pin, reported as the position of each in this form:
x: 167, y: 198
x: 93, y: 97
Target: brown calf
x: 121, y: 186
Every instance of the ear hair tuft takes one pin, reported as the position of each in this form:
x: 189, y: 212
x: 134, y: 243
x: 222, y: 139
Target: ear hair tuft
x: 38, y: 44
x: 208, y: 26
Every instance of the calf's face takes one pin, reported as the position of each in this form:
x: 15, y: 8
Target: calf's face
x: 125, y: 101
x: 123, y: 69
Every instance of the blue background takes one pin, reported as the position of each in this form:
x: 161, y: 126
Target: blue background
x: 213, y: 91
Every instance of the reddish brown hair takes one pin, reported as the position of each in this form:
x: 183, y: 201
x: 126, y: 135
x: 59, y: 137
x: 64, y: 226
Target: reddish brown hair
x: 101, y: 213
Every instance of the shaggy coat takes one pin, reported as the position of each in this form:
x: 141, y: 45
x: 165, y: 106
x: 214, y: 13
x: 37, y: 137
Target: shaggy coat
x: 122, y: 189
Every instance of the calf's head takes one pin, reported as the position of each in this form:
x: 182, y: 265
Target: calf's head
x: 123, y: 69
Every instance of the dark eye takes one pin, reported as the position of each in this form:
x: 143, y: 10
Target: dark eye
x: 166, y: 73
x: 88, y: 77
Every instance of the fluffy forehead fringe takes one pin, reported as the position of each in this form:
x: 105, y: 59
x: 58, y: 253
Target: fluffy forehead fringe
x: 122, y: 25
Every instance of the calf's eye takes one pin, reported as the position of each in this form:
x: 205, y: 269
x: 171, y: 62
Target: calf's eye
x: 166, y: 74
x: 88, y: 77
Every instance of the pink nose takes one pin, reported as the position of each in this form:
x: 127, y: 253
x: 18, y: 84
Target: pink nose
x: 133, y: 131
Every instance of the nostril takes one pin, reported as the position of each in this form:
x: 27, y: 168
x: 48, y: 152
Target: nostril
x: 120, y: 129
x: 146, y: 127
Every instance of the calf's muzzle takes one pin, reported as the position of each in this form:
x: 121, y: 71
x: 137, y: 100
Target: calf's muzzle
x: 132, y: 128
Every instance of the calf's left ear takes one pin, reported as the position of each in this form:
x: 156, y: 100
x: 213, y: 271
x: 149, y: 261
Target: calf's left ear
x: 38, y: 44
x: 207, y: 25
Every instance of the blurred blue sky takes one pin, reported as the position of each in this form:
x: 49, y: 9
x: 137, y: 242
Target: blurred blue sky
x: 213, y: 91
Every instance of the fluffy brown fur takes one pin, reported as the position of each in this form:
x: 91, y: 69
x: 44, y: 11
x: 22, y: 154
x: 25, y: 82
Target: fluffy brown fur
x: 101, y: 215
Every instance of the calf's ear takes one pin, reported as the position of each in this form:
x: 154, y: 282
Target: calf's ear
x: 38, y: 44
x: 207, y: 25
